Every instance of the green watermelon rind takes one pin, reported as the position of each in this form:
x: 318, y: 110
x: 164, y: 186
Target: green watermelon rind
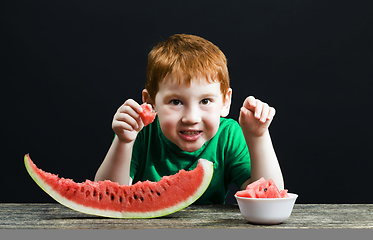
x: 208, y: 170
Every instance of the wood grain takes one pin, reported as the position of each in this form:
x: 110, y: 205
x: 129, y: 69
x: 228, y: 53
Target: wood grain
x: 56, y: 216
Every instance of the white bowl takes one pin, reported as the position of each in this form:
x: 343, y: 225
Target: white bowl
x: 266, y: 210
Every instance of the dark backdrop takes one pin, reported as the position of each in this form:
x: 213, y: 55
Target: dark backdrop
x: 68, y: 65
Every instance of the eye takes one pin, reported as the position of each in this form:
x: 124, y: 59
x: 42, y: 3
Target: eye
x: 205, y: 101
x: 175, y: 102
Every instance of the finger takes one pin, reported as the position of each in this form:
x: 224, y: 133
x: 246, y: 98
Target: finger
x: 270, y: 116
x: 244, y: 114
x: 127, y: 110
x: 265, y: 112
x: 133, y: 104
x: 127, y: 121
x: 258, y: 109
x: 130, y: 116
x: 250, y: 103
x: 120, y: 127
x: 133, y: 109
x: 271, y: 113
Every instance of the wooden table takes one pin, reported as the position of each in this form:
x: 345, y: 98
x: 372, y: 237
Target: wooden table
x: 304, y: 216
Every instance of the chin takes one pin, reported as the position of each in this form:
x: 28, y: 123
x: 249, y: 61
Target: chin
x: 190, y: 149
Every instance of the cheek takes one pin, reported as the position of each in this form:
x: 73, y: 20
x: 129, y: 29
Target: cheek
x: 212, y: 123
x: 167, y: 122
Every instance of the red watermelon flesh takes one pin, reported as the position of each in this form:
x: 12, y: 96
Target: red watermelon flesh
x: 262, y: 189
x: 251, y: 191
x: 147, y: 115
x: 142, y: 200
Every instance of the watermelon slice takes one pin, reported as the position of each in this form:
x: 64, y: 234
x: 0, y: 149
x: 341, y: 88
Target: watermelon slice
x: 142, y: 200
x: 147, y: 115
x: 262, y: 189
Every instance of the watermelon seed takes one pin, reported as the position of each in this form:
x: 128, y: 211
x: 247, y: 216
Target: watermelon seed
x: 112, y: 197
x: 100, y: 196
x: 120, y: 199
x: 94, y: 193
x: 158, y: 193
x: 142, y: 199
x: 265, y: 189
x: 135, y: 196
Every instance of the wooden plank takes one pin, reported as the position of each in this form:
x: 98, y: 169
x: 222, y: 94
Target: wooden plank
x: 56, y: 216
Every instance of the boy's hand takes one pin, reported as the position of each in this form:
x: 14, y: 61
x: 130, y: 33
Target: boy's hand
x: 127, y: 122
x: 255, y: 117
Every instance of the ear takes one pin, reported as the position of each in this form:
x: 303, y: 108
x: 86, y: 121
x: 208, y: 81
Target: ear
x: 146, y: 97
x: 227, y: 99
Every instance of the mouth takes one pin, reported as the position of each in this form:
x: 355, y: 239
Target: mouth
x: 190, y: 135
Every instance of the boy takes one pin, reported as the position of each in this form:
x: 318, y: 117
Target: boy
x: 188, y: 86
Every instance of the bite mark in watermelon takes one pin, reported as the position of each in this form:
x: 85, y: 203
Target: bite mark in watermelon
x: 147, y: 115
x: 142, y: 200
x: 263, y: 189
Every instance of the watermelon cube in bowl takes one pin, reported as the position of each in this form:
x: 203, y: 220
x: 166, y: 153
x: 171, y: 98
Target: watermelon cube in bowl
x: 266, y: 211
x: 263, y: 203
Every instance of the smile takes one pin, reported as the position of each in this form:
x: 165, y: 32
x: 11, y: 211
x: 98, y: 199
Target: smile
x: 190, y: 135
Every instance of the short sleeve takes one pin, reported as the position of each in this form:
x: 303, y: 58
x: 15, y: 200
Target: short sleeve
x: 238, y: 164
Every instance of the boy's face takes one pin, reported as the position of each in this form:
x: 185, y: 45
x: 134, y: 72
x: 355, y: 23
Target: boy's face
x: 189, y: 116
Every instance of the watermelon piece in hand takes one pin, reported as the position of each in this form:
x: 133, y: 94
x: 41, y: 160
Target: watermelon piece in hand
x: 147, y: 115
x: 262, y: 189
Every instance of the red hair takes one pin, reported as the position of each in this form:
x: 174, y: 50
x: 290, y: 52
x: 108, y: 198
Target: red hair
x: 184, y: 57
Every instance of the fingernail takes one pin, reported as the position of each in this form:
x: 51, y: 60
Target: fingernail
x: 244, y: 110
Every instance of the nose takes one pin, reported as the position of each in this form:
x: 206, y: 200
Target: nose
x: 191, y: 116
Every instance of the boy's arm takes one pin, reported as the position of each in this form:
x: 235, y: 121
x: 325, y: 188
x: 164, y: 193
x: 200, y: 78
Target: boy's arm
x: 255, y: 118
x: 116, y: 165
x: 126, y: 125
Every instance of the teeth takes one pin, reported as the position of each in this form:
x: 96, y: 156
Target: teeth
x: 190, y: 133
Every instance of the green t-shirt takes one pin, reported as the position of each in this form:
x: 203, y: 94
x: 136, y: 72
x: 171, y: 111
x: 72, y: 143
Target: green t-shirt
x: 155, y: 156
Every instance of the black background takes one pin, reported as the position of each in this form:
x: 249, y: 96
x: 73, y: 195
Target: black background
x: 68, y: 65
